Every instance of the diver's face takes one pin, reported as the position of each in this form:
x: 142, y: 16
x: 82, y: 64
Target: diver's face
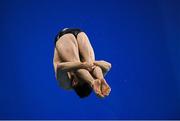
x: 76, y: 80
x: 80, y: 81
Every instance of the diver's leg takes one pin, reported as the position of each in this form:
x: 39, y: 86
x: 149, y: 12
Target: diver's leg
x: 67, y: 48
x: 105, y: 88
x: 85, y: 48
x: 87, y: 53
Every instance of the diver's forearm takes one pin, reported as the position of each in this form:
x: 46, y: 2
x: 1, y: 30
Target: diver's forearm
x: 69, y: 66
x: 104, y: 65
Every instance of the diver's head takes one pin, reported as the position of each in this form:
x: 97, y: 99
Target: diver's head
x: 83, y: 90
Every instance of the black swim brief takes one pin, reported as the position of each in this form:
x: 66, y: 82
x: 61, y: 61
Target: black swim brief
x: 74, y: 31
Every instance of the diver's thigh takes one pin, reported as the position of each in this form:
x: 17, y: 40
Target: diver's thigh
x: 85, y: 48
x: 67, y: 48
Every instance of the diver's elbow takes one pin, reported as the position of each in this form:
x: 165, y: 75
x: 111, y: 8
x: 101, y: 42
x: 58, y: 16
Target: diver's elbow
x: 109, y: 66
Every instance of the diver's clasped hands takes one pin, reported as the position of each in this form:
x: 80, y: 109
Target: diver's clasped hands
x: 88, y: 65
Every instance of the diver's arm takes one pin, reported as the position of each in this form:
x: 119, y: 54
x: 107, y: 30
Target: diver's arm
x: 104, y: 65
x: 71, y: 66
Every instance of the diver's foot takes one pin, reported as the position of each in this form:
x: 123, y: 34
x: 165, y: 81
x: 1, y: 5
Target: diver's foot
x: 97, y: 88
x: 105, y: 88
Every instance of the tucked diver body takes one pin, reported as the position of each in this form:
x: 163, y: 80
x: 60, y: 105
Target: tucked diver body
x: 75, y: 65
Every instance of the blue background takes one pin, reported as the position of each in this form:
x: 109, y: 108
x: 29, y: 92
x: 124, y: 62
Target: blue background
x: 140, y: 38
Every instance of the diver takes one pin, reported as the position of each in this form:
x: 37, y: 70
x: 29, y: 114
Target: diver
x: 75, y: 65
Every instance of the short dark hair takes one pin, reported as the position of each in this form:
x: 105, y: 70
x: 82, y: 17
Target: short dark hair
x: 83, y: 90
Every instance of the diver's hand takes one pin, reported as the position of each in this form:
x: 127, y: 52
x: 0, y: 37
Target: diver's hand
x: 88, y: 66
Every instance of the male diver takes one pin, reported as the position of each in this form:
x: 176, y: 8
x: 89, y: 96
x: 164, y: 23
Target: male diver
x: 75, y: 65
